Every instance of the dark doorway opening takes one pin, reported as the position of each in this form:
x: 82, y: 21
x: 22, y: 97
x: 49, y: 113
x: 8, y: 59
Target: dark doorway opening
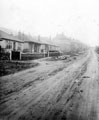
x: 15, y: 55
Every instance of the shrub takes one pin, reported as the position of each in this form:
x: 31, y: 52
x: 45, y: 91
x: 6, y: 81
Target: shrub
x: 4, y: 55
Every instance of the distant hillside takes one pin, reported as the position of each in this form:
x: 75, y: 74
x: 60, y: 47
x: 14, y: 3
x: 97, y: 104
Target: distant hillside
x: 68, y: 44
x: 9, y: 31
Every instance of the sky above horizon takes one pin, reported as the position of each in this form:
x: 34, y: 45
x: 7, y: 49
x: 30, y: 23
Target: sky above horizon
x: 78, y: 19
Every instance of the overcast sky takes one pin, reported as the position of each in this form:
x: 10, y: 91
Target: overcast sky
x: 76, y: 18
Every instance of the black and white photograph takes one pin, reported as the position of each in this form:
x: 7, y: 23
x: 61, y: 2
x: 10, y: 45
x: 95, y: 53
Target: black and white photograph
x: 49, y: 59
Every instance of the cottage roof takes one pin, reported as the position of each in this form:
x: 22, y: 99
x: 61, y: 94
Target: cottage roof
x: 6, y: 36
x: 47, y: 41
x: 33, y: 39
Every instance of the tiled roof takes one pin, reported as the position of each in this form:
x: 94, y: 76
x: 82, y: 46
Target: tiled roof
x: 33, y: 39
x: 6, y: 36
x: 46, y: 40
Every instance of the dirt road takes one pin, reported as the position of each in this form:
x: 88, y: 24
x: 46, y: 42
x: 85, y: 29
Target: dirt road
x: 55, y: 90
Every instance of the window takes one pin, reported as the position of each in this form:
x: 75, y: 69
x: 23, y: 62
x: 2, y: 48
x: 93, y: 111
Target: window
x: 35, y: 48
x: 9, y: 44
x: 19, y: 46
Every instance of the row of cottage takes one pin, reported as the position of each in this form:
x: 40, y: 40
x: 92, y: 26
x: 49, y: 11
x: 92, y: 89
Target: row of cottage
x: 33, y: 46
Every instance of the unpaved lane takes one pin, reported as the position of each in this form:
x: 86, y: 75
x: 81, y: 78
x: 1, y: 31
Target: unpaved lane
x: 60, y: 96
x: 83, y: 99
x: 89, y: 106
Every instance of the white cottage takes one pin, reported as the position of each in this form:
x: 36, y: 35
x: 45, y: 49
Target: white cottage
x: 10, y: 43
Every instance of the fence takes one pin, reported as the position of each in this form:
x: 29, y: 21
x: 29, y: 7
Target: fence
x: 14, y: 55
x: 28, y: 56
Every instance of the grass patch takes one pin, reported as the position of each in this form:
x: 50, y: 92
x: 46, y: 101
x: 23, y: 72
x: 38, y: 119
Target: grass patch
x: 11, y: 67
